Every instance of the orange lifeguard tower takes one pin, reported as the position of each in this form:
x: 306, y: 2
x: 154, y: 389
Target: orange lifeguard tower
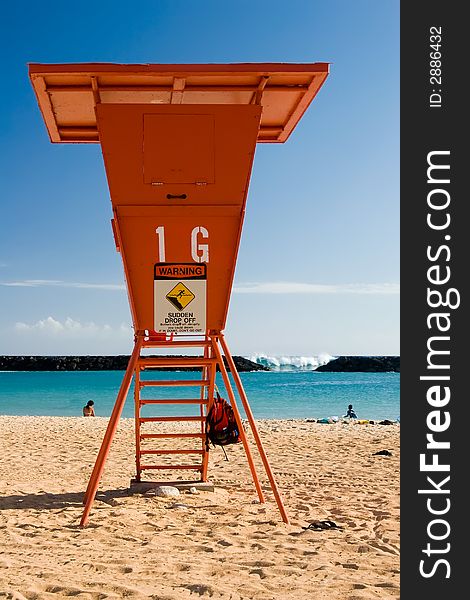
x: 178, y: 143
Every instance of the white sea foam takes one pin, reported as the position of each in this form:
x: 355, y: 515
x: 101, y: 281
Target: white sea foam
x: 291, y: 363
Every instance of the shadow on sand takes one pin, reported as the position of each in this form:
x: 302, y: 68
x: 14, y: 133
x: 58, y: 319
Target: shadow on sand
x: 46, y: 501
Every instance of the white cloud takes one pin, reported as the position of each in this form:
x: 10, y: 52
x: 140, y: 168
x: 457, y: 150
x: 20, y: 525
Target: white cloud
x: 269, y: 287
x: 72, y: 329
x: 286, y: 287
x: 65, y: 284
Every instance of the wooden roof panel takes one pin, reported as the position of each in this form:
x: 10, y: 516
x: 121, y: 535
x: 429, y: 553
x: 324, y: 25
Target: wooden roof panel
x: 71, y: 108
x: 135, y: 97
x: 201, y: 97
x: 67, y: 93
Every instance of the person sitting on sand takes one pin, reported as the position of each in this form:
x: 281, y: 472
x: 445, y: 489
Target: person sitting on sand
x: 351, y: 414
x: 88, y: 410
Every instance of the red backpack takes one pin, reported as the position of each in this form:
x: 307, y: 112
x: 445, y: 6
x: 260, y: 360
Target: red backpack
x: 221, y: 426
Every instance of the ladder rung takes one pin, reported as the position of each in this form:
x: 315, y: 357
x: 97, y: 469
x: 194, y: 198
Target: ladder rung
x: 174, y: 401
x: 163, y: 419
x: 153, y: 343
x: 172, y: 467
x: 147, y: 436
x: 182, y: 382
x: 177, y: 361
x: 172, y: 452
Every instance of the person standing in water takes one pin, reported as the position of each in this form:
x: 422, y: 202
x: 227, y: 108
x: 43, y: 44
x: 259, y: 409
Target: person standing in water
x: 351, y: 414
x: 88, y: 410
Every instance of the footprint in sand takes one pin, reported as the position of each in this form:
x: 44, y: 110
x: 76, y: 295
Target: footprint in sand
x: 206, y: 548
x: 259, y: 563
x: 258, y: 547
x: 125, y: 569
x: 258, y: 572
x: 65, y: 591
x: 383, y: 548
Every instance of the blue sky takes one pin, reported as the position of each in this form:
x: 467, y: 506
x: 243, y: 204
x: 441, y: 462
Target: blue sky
x: 318, y: 268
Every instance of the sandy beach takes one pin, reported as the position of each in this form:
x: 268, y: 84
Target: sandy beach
x: 220, y: 544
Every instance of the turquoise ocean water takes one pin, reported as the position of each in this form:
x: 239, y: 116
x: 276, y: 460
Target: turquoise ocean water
x: 294, y: 394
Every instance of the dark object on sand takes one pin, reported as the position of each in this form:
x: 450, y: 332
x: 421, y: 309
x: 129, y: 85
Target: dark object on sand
x: 321, y: 525
x: 385, y: 422
x: 383, y: 453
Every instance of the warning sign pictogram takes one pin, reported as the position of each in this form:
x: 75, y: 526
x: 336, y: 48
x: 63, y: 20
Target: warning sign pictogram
x: 180, y: 296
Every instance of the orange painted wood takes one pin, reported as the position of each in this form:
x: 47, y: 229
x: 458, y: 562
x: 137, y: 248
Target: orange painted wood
x: 179, y: 204
x: 168, y: 419
x: 145, y: 436
x: 110, y: 432
x: 211, y: 372
x: 172, y: 452
x: 176, y: 344
x: 236, y: 412
x: 172, y: 467
x: 254, y: 429
x: 175, y: 362
x: 67, y: 94
x: 174, y: 401
x: 173, y: 383
x: 137, y: 422
x: 178, y: 144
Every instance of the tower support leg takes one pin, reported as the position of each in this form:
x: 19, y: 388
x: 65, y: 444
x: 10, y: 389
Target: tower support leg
x: 110, y: 431
x: 254, y: 429
x: 236, y: 412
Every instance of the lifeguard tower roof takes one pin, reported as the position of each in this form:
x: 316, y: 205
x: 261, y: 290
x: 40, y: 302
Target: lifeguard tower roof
x: 68, y: 93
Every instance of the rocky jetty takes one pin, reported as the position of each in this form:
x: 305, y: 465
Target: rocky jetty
x: 365, y: 364
x: 95, y: 363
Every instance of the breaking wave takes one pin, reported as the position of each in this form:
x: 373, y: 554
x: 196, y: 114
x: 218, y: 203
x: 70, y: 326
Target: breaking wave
x: 291, y: 363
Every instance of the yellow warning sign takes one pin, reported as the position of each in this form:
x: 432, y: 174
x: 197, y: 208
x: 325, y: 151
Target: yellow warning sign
x: 180, y: 296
